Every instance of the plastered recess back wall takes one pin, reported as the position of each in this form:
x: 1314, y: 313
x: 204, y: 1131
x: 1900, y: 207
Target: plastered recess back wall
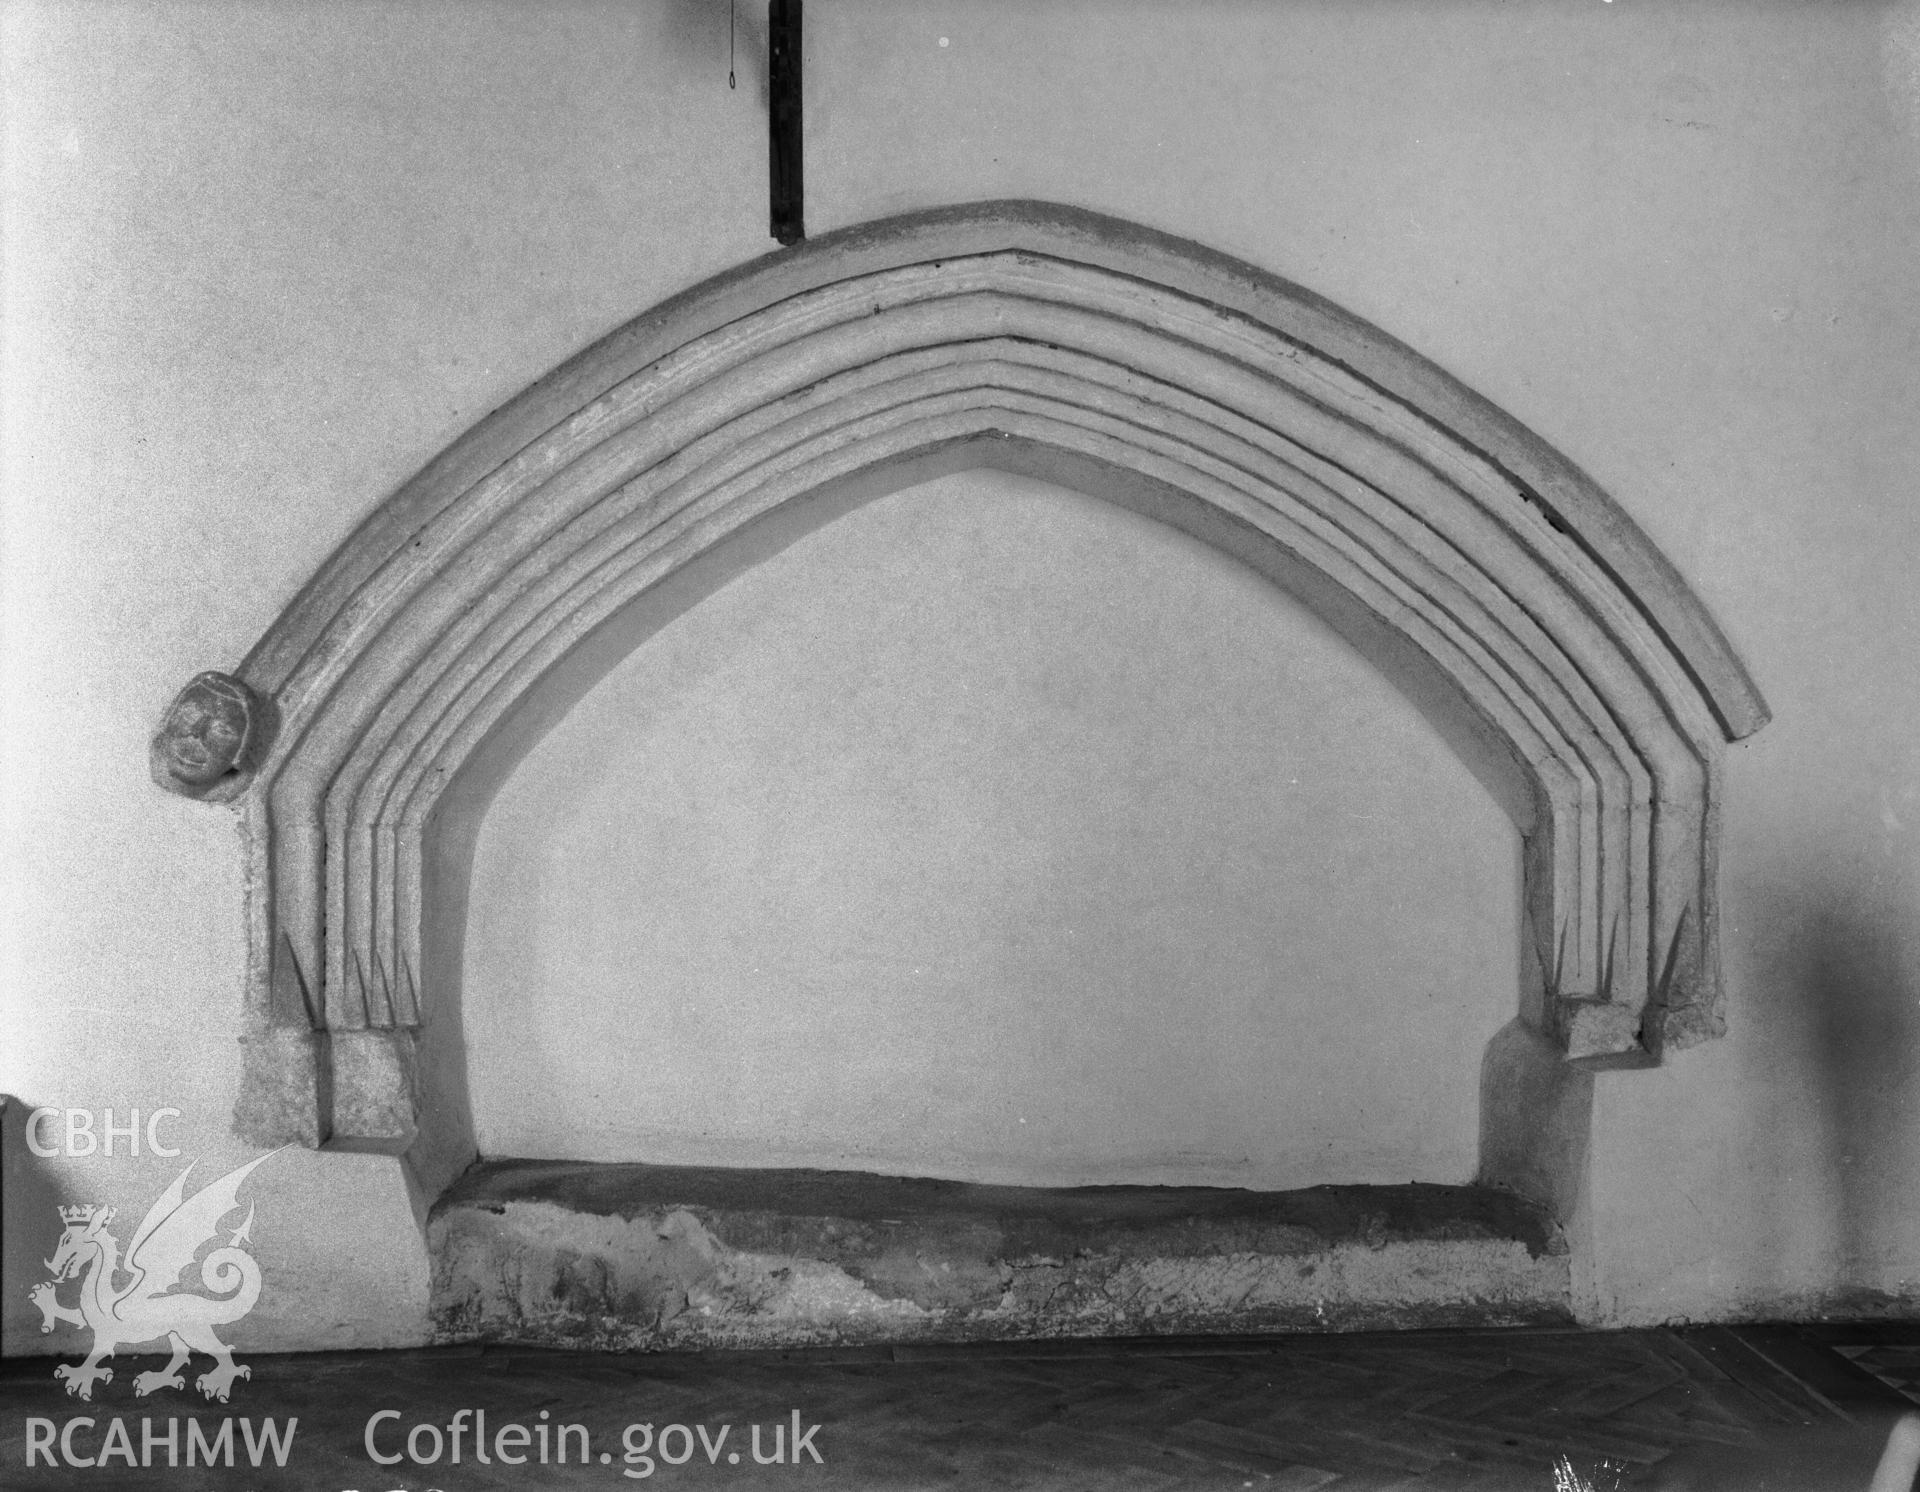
x: 263, y: 261
x: 994, y: 832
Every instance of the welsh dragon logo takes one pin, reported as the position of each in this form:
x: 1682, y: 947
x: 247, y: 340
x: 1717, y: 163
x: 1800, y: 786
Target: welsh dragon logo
x: 147, y: 1307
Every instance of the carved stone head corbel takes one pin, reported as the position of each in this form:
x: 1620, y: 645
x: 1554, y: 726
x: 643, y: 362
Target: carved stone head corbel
x: 210, y: 737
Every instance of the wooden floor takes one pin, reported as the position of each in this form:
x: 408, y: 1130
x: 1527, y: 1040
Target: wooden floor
x: 1554, y: 1410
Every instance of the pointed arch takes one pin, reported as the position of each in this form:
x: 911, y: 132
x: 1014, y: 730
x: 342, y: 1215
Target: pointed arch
x: 1518, y: 606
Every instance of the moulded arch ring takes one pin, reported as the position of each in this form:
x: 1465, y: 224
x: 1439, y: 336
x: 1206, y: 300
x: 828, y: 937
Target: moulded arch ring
x: 1514, y: 601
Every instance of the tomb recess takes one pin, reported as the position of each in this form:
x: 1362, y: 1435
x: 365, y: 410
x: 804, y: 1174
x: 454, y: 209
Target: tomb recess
x: 1499, y: 587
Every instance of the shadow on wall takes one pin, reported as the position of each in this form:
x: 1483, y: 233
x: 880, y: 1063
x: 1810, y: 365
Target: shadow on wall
x: 1864, y: 1005
x: 30, y: 1201
x: 1835, y: 982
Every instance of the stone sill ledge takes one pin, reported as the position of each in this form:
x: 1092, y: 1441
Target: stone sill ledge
x: 642, y: 1257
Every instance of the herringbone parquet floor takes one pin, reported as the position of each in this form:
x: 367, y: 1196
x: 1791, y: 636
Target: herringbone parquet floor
x: 1542, y: 1409
x: 1890, y: 1354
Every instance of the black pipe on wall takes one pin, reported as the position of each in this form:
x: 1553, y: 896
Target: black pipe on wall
x: 785, y: 176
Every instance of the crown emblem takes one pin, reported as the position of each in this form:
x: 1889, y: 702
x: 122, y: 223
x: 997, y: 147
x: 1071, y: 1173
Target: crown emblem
x: 73, y: 1215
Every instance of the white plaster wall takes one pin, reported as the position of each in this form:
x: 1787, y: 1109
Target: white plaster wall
x: 263, y: 260
x: 997, y: 833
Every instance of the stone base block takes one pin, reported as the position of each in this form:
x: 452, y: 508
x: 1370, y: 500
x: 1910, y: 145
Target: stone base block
x: 284, y: 1088
x: 1604, y: 1034
x: 645, y: 1257
x: 373, y: 1089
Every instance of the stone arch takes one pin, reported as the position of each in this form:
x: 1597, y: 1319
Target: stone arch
x: 1513, y: 601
